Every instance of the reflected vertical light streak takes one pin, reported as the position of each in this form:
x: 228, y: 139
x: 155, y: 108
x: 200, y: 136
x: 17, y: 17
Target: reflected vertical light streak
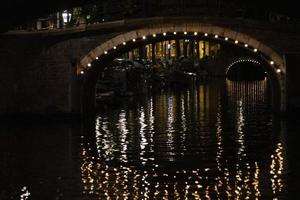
x: 276, y: 169
x: 122, y: 126
x: 104, y: 139
x: 143, y: 141
x: 240, y: 125
x: 219, y: 137
x: 256, y: 181
x: 151, y: 125
x: 183, y: 125
x: 170, y: 128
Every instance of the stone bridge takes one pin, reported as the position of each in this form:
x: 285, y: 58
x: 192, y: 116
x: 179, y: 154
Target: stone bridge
x: 51, y: 72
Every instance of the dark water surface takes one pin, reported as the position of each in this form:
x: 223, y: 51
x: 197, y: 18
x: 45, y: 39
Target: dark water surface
x: 212, y: 141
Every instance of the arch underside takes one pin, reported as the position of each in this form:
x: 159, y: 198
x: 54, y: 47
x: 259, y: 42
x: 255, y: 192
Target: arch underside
x: 212, y: 32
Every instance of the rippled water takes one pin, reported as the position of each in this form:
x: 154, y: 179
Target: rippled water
x: 212, y: 141
x: 208, y: 141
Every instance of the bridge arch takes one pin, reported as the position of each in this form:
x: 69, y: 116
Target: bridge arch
x: 265, y: 54
x: 241, y: 60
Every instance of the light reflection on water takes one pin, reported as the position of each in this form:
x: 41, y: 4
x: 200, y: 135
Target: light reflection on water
x: 205, y: 142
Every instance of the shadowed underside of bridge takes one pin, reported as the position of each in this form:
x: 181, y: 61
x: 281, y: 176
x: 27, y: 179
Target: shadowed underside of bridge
x: 52, y: 72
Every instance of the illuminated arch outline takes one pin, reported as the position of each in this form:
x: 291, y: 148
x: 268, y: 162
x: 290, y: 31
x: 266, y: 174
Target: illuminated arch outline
x: 212, y: 32
x: 204, y: 30
x: 242, y: 60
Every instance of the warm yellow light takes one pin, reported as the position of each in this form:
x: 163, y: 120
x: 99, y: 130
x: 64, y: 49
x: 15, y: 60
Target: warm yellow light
x: 278, y: 70
x: 89, y: 65
x: 272, y: 62
x: 133, y: 40
x: 236, y: 42
x: 82, y: 72
x: 144, y: 37
x: 105, y: 52
x: 154, y: 35
x: 185, y: 33
x: 195, y: 33
x: 226, y: 38
x: 216, y: 36
x: 255, y: 50
x: 246, y: 45
x: 175, y: 33
x: 97, y: 58
x: 164, y: 33
x: 124, y: 43
x: 115, y: 47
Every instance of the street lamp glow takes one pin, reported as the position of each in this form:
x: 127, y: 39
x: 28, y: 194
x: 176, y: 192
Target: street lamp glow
x: 66, y: 16
x: 115, y: 47
x: 144, y: 37
x: 175, y: 33
x: 255, y: 50
x: 185, y: 33
x: 154, y: 35
x: 105, y: 52
x: 97, y: 58
x: 89, y: 65
x: 164, y: 33
x: 206, y: 34
x: 216, y: 36
x: 195, y: 33
x: 272, y: 62
x: 133, y: 40
x: 124, y: 43
x: 278, y: 70
x: 236, y: 42
x: 246, y: 45
x: 81, y: 72
x: 226, y: 38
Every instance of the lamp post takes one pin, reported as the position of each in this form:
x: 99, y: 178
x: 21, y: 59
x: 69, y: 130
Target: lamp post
x: 66, y: 16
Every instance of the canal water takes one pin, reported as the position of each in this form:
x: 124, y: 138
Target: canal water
x: 215, y: 140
